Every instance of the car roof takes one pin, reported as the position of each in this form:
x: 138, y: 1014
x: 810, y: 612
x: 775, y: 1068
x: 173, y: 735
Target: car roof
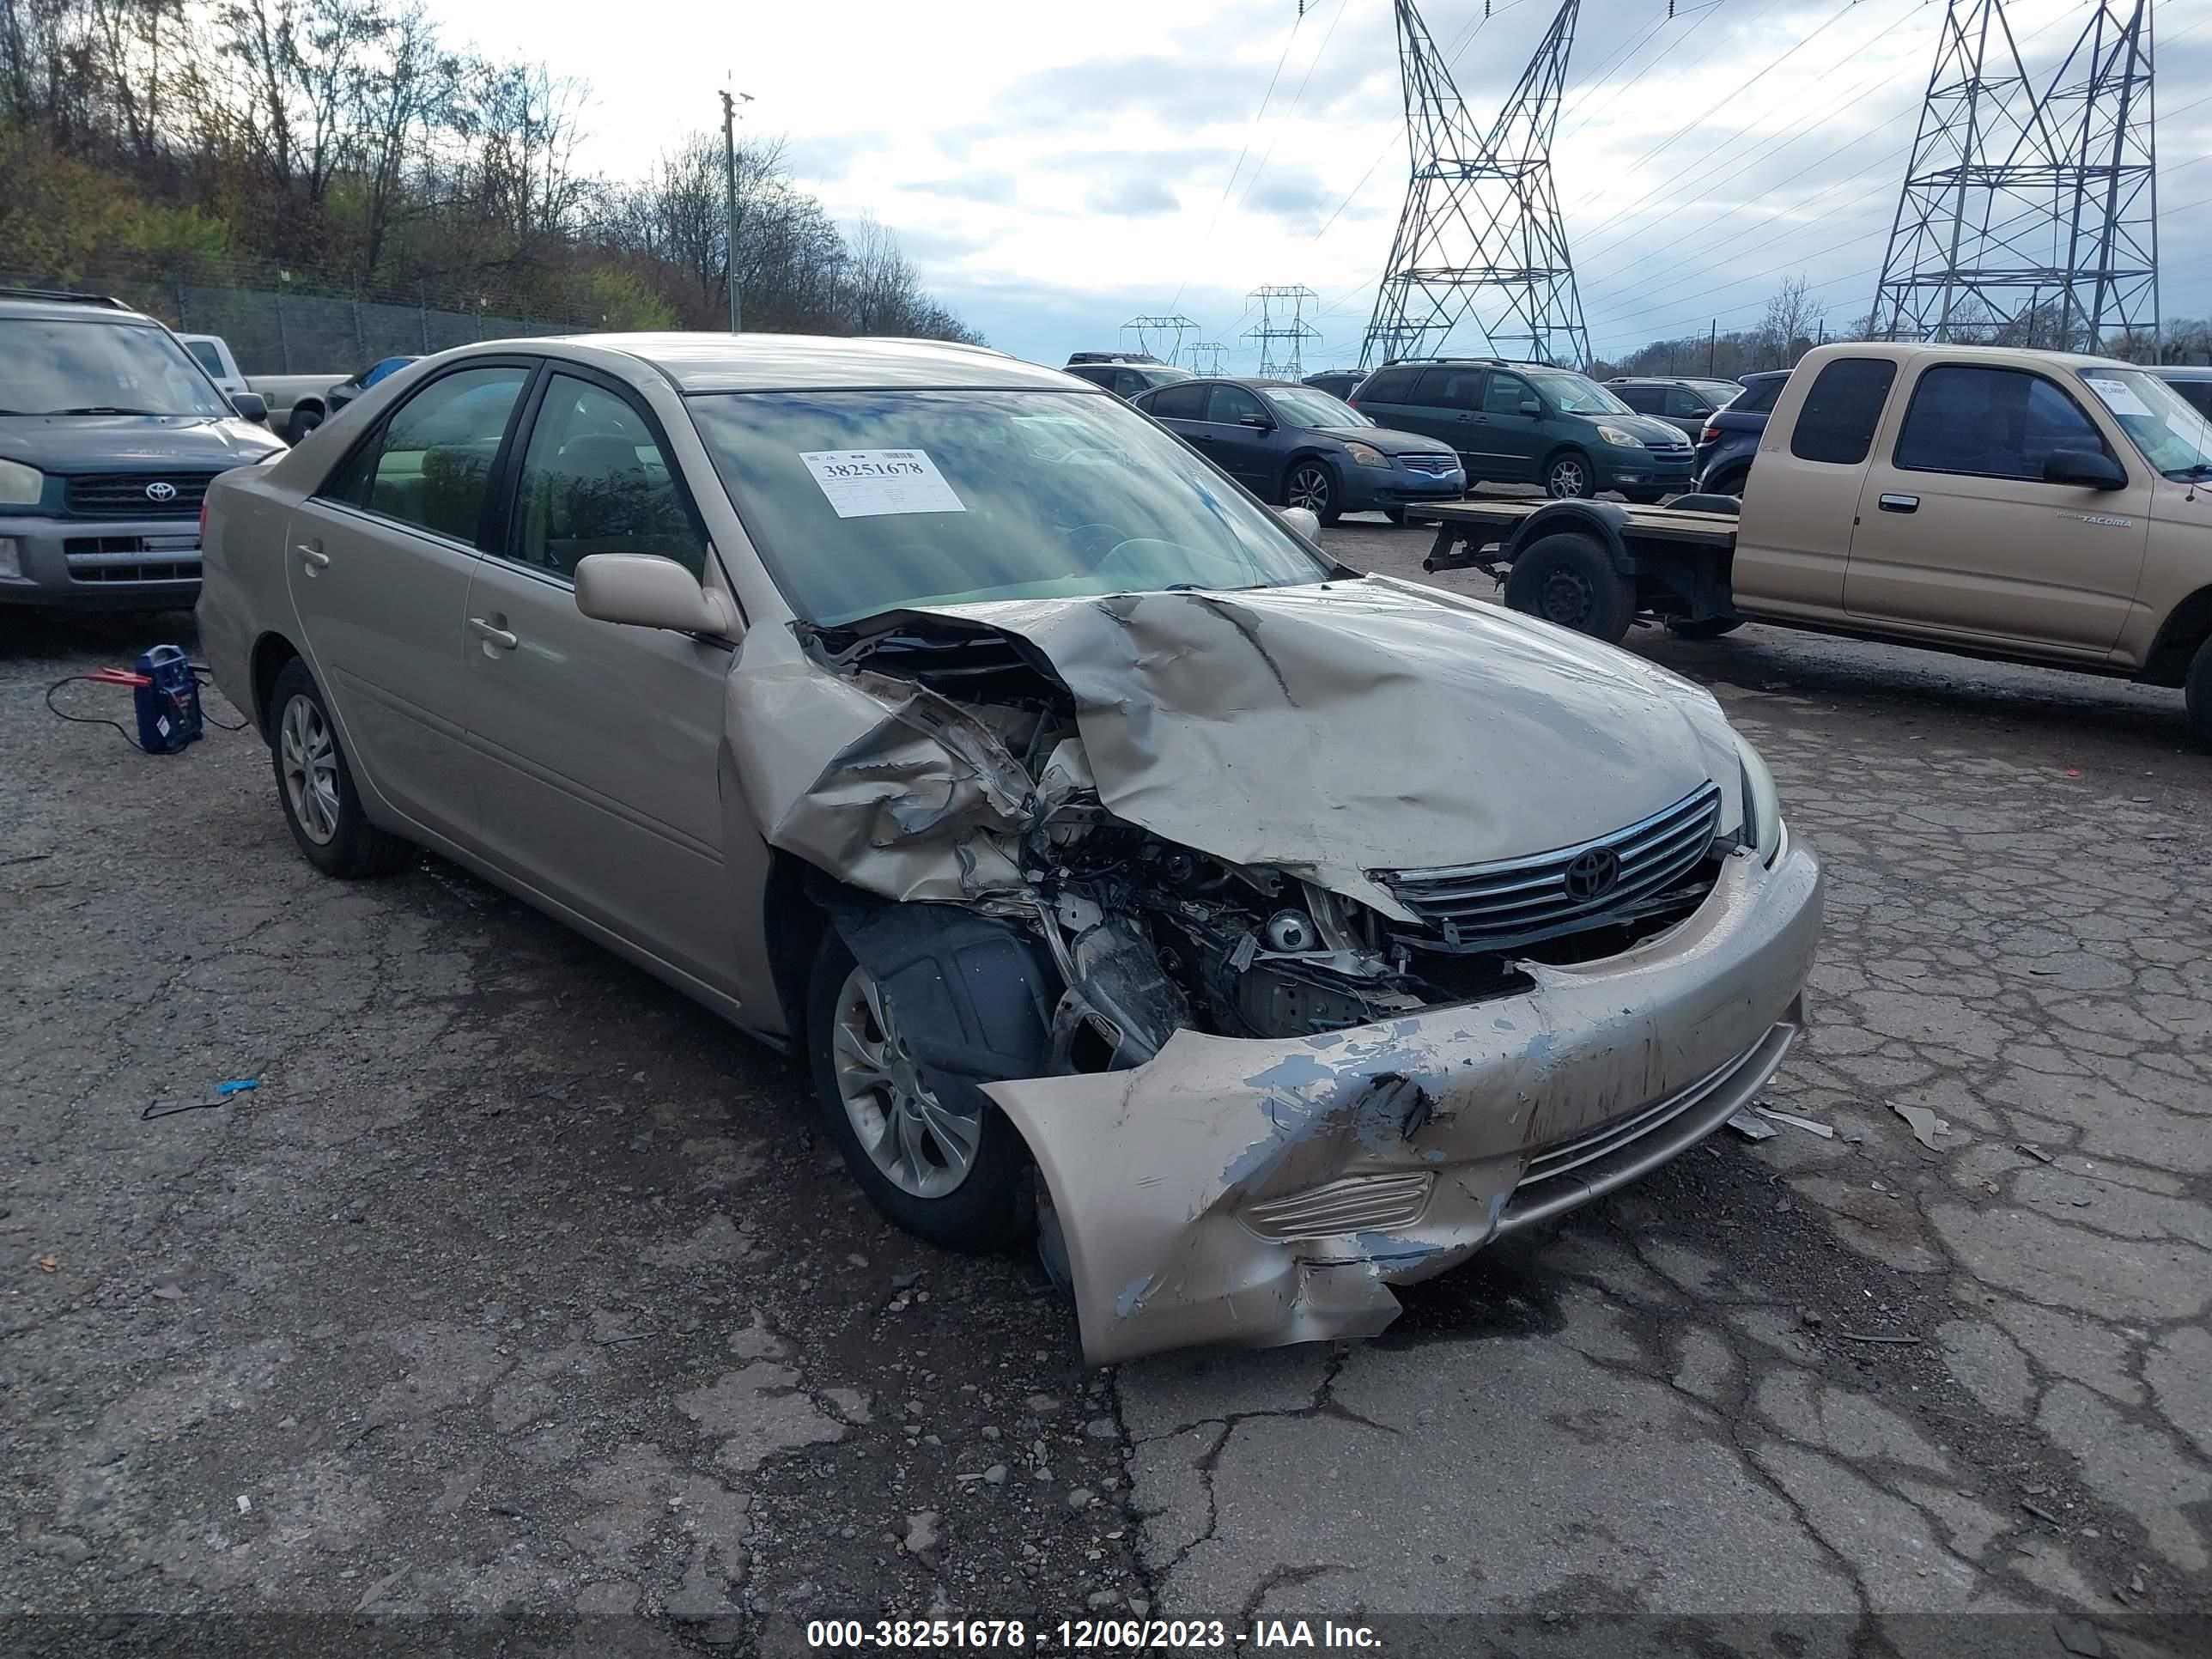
x: 2182, y: 371
x: 54, y: 305
x: 707, y: 362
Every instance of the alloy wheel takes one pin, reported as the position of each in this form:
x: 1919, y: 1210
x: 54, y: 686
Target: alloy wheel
x: 1567, y: 478
x: 922, y: 1147
x: 310, y: 760
x: 1308, y: 488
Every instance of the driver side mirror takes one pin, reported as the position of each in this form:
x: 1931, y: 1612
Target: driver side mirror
x: 1257, y: 422
x: 251, y: 406
x: 2084, y: 468
x: 1302, y: 519
x: 642, y: 590
x: 1531, y: 408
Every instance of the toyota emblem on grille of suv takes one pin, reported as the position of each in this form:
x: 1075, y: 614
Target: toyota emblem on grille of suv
x: 1592, y: 874
x: 161, y: 490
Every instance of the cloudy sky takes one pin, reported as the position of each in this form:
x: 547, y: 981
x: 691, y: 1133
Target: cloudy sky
x: 1056, y: 169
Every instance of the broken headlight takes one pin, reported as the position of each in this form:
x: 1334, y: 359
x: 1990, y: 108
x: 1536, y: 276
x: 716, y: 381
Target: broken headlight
x: 1763, y: 827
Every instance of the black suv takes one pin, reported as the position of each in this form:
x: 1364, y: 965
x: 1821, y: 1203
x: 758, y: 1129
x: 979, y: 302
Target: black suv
x: 2194, y: 383
x: 110, y: 432
x: 1685, y: 402
x: 1529, y: 423
x: 1729, y: 438
x: 1125, y: 375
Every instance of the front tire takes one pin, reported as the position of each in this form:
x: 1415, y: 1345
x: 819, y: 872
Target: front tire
x: 303, y: 421
x: 1310, y: 484
x: 1568, y: 476
x: 960, y: 1179
x: 315, y: 786
x: 2198, y: 689
x: 1570, y: 580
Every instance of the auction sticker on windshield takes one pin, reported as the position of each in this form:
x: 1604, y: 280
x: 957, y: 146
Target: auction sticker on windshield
x: 862, y: 484
x: 2117, y: 396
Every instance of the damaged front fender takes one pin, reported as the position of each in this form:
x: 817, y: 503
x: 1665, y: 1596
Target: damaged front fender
x: 1269, y: 1191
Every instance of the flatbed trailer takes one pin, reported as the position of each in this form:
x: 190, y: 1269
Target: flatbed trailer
x: 1606, y: 562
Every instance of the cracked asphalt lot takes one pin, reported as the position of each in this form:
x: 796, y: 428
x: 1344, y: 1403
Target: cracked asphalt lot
x: 521, y: 1305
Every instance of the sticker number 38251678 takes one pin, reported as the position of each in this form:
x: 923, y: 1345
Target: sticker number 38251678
x: 861, y: 483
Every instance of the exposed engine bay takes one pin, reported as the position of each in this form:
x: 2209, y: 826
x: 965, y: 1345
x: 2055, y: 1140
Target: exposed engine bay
x: 1149, y: 936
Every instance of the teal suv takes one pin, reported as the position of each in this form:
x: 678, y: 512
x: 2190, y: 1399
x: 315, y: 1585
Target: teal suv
x: 1530, y: 424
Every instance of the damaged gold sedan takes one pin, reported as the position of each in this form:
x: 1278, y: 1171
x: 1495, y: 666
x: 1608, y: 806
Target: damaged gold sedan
x: 1263, y: 935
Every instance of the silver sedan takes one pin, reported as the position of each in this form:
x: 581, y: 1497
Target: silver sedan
x: 1258, y: 935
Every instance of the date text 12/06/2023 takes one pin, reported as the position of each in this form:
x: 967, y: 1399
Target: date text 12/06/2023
x: 1072, y: 1635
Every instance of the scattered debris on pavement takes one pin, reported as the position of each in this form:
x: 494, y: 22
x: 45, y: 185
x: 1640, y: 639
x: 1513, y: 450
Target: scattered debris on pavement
x: 1809, y: 1125
x: 1752, y: 1126
x: 1924, y: 1124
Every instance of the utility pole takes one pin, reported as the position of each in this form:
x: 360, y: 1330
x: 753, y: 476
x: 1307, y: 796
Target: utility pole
x: 730, y: 189
x: 1712, y: 344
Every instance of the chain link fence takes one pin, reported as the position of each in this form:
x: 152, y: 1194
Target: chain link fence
x: 286, y: 328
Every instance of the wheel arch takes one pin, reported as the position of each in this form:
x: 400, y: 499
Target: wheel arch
x: 2187, y: 627
x: 1604, y: 522
x: 271, y: 653
x: 1310, y: 453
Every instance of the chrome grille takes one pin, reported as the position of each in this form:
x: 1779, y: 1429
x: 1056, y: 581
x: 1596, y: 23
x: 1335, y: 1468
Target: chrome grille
x: 1435, y: 466
x: 122, y: 495
x: 1514, y: 901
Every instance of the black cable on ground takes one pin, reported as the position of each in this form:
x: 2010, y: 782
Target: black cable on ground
x: 84, y: 720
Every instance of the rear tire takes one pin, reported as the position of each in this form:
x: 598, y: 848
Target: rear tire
x: 2198, y: 692
x: 315, y: 787
x: 1730, y: 483
x: 1703, y: 627
x: 1569, y: 579
x: 990, y: 1206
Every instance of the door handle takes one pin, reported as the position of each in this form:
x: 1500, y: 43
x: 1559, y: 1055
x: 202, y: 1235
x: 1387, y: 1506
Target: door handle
x: 312, y: 555
x: 491, y: 636
x: 1899, y: 503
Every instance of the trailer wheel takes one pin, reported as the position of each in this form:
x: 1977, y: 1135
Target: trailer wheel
x: 1569, y: 579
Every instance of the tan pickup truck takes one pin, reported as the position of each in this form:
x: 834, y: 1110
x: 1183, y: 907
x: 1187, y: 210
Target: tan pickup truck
x: 2023, y: 505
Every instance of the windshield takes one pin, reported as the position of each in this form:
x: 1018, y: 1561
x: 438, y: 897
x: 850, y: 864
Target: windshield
x: 2173, y: 436
x: 1310, y: 406
x: 865, y: 501
x: 63, y: 368
x: 1578, y: 396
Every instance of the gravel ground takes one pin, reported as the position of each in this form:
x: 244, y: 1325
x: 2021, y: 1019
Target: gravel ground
x: 521, y: 1308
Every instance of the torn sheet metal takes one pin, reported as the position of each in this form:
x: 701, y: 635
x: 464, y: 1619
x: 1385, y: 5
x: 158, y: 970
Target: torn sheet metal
x: 1331, y: 730
x: 1271, y: 1191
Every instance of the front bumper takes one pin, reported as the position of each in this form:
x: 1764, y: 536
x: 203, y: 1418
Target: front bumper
x: 102, y: 564
x: 1265, y: 1192
x: 1399, y: 487
x: 1650, y: 470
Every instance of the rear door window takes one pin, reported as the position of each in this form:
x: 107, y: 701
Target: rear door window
x: 1643, y: 399
x: 1446, y: 388
x: 1178, y: 403
x: 430, y: 464
x: 1836, y: 425
x: 1388, y: 385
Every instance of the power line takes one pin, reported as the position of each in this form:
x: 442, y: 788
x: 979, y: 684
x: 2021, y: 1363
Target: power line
x: 1251, y: 127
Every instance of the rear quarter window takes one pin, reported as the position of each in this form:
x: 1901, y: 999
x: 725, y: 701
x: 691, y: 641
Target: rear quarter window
x: 1835, y: 424
x: 1757, y: 398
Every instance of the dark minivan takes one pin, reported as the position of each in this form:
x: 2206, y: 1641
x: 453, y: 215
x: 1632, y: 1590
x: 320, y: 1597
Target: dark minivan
x: 1530, y: 424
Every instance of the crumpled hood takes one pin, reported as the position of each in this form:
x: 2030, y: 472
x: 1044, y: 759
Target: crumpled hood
x: 1350, y: 726
x: 132, y: 443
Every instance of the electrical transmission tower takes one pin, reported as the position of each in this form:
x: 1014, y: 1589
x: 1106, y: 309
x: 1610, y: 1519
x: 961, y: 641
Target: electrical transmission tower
x: 1144, y: 327
x: 1282, y: 339
x: 1206, y: 357
x: 2029, y: 218
x: 1481, y: 213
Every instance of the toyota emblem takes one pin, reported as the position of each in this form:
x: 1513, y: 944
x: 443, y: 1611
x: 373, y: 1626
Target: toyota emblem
x: 1591, y: 875
x: 161, y: 490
